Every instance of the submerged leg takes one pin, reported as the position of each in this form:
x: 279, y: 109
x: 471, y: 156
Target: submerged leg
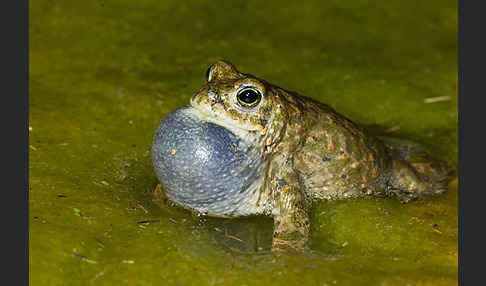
x: 414, y: 173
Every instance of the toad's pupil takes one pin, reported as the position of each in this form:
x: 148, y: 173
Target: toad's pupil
x: 249, y: 96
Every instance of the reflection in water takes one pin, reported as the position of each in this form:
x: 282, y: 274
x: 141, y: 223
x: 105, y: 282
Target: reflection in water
x: 243, y: 235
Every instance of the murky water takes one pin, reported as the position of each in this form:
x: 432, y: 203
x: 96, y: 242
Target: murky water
x: 103, y: 74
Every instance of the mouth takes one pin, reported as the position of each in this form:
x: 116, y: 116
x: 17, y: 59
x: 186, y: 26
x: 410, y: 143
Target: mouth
x: 203, y: 111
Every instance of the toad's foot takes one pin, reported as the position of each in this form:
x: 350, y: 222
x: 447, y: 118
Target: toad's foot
x: 291, y: 231
x: 159, y: 197
x: 285, y: 245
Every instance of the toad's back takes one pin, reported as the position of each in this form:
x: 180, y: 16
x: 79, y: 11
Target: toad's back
x: 336, y: 158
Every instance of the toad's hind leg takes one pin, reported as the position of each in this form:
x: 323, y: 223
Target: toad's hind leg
x: 414, y: 173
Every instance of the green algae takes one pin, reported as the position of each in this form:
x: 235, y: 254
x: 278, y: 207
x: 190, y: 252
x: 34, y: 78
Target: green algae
x: 103, y: 74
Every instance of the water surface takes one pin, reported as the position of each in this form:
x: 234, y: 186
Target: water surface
x: 103, y: 74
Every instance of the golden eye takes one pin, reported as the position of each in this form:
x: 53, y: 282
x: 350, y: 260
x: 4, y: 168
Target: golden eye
x: 249, y: 97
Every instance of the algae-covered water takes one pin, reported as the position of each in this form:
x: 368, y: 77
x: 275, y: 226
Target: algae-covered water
x: 103, y: 74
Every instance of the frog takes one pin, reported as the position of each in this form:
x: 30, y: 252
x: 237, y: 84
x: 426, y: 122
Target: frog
x: 307, y: 152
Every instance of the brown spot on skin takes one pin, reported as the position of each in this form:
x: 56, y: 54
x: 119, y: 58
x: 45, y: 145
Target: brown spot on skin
x: 355, y: 165
x: 330, y: 147
x: 345, y: 156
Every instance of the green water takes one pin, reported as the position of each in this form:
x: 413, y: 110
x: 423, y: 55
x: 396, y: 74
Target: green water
x: 103, y: 74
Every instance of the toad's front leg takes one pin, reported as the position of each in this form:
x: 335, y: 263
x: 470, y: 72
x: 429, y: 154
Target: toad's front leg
x: 291, y: 221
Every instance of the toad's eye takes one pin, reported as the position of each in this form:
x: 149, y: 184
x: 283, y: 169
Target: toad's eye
x: 209, y: 73
x: 249, y: 97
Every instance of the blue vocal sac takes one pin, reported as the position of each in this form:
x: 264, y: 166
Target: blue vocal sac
x: 203, y: 166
